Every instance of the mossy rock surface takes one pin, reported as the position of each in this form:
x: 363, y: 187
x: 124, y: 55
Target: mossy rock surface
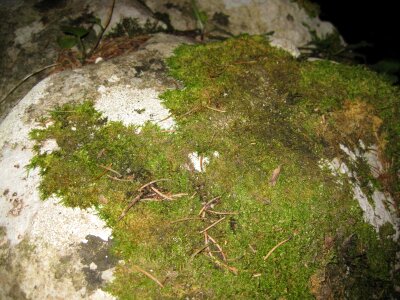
x: 252, y: 112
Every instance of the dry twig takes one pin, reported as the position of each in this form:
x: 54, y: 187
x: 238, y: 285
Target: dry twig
x: 275, y: 247
x: 207, y: 205
x: 218, y: 246
x: 132, y: 203
x: 186, y: 219
x: 149, y: 275
x: 222, y: 212
x: 119, y: 179
x: 108, y: 168
x: 160, y: 194
x: 151, y: 182
x: 213, y: 224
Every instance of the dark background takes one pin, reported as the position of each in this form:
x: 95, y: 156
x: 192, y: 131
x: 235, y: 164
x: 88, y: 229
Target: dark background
x: 375, y: 22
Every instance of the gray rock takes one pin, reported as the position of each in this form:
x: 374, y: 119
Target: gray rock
x: 284, y: 17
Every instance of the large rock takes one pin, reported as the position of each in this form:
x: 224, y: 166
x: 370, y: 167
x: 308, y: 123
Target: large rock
x: 287, y: 19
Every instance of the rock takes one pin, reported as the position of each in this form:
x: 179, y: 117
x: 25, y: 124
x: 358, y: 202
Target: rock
x: 287, y: 19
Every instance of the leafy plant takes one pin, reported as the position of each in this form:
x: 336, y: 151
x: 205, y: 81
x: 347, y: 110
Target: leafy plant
x: 76, y: 35
x: 332, y: 47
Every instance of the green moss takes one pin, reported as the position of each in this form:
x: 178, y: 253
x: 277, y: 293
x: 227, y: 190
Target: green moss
x: 256, y: 107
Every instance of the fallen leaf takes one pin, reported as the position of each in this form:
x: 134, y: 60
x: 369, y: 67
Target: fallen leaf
x: 275, y: 175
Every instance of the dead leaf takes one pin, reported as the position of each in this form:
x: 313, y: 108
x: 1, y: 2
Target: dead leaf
x: 275, y: 175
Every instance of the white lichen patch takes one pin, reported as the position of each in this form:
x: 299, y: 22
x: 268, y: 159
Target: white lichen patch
x: 61, y: 226
x: 49, y: 146
x: 133, y: 106
x: 200, y: 162
x: 378, y: 208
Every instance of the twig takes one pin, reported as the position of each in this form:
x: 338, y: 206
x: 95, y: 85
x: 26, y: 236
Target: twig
x: 215, y: 109
x: 186, y: 219
x: 108, y: 168
x: 160, y: 194
x: 221, y: 264
x: 218, y: 246
x: 133, y: 202
x: 151, y: 182
x: 119, y: 179
x: 200, y: 250
x: 149, y: 275
x: 102, y: 174
x: 103, y: 29
x: 213, y: 224
x: 206, y: 206
x: 222, y: 212
x: 201, y: 163
x: 252, y: 249
x: 151, y: 199
x: 25, y: 79
x: 206, y: 241
x: 179, y: 195
x: 276, y: 246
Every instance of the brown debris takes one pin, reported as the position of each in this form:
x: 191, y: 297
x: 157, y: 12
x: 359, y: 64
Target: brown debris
x: 275, y: 175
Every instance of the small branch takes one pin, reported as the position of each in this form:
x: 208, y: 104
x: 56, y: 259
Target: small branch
x: 102, y: 174
x: 201, y: 163
x: 199, y: 250
x: 119, y: 179
x: 221, y: 264
x: 252, y: 249
x: 212, y: 225
x: 108, y: 168
x: 133, y: 202
x: 160, y: 194
x: 151, y: 182
x: 215, y: 109
x: 206, y: 206
x: 218, y: 246
x: 275, y: 247
x: 149, y: 275
x: 179, y: 195
x: 186, y: 219
x: 25, y: 79
x: 222, y: 212
x: 103, y: 29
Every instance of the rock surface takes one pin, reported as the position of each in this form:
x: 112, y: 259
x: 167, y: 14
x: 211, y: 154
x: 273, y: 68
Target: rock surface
x: 285, y: 18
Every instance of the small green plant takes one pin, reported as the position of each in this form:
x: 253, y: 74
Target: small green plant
x: 201, y: 18
x: 77, y: 35
x: 331, y: 47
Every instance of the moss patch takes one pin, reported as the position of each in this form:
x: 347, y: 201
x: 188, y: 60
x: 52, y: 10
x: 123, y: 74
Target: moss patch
x: 258, y: 108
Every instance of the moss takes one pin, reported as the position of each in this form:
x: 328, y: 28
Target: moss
x: 258, y: 108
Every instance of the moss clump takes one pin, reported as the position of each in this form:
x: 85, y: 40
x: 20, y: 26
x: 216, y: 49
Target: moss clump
x: 251, y: 104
